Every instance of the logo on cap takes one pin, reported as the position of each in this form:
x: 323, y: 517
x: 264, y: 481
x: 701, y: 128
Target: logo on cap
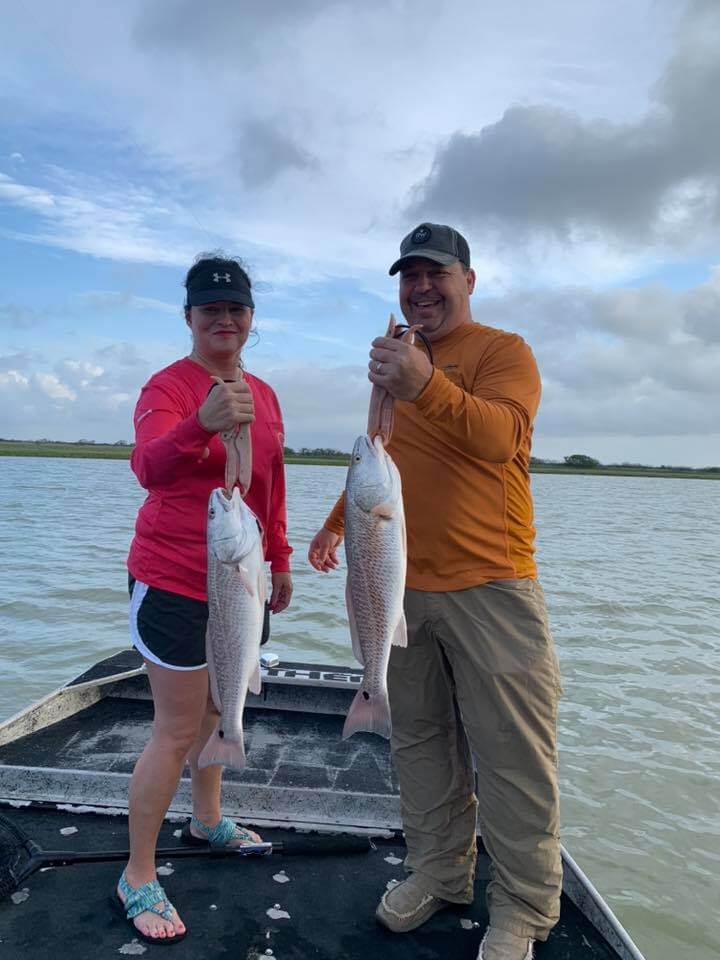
x: 421, y: 235
x: 217, y: 277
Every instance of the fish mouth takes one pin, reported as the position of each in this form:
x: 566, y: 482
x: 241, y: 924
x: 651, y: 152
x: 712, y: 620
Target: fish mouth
x: 373, y: 482
x: 365, y: 444
x: 225, y: 498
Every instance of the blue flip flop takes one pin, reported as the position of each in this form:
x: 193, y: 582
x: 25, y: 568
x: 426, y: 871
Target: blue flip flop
x: 221, y: 836
x: 141, y: 899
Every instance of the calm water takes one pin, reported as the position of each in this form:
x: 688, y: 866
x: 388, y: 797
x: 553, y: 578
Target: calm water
x: 630, y: 570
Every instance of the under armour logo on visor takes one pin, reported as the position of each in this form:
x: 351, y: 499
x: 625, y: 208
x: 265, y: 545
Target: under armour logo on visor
x: 217, y: 277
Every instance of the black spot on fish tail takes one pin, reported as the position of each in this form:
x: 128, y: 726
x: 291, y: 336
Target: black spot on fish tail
x: 221, y: 733
x: 366, y: 695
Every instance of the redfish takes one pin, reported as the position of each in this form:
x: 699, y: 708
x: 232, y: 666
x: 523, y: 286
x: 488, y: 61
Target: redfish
x: 375, y: 548
x: 237, y: 589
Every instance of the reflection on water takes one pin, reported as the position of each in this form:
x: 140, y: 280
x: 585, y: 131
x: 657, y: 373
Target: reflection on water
x: 629, y: 568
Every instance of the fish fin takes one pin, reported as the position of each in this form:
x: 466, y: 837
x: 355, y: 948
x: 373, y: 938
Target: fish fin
x: 387, y: 510
x: 220, y: 750
x: 246, y: 581
x: 255, y: 682
x: 369, y: 713
x: 257, y: 587
x: 399, y: 637
x: 354, y: 635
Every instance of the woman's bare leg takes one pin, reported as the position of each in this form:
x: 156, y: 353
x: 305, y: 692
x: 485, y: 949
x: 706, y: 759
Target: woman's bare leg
x: 180, y: 698
x: 206, y: 782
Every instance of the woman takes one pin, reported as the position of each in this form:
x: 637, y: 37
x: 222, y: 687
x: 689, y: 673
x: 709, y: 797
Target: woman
x: 179, y: 458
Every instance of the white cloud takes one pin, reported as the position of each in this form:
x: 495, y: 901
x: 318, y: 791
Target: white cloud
x: 79, y: 373
x: 631, y: 363
x: 100, y: 300
x: 118, y: 222
x: 543, y: 168
x: 53, y: 387
x: 321, y: 408
x: 304, y: 153
x: 282, y: 152
x: 13, y: 378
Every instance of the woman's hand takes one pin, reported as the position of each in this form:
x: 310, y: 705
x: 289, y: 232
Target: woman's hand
x: 282, y: 588
x: 322, y: 551
x: 227, y: 405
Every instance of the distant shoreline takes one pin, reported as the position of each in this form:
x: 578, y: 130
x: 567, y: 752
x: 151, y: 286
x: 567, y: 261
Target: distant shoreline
x: 110, y: 451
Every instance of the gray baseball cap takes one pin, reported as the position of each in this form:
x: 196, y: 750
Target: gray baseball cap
x: 434, y: 241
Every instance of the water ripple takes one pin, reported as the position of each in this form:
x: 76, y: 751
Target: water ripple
x: 629, y: 567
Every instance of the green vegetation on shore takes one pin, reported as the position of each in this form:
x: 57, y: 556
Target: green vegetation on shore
x: 578, y: 464
x: 83, y: 449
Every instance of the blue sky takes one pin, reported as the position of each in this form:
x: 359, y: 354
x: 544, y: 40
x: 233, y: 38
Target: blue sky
x: 575, y: 146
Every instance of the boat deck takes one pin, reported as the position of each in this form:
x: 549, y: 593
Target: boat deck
x: 65, y: 912
x: 66, y: 762
x: 299, y: 769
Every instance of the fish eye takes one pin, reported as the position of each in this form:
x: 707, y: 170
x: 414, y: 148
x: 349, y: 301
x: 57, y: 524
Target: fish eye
x: 211, y: 512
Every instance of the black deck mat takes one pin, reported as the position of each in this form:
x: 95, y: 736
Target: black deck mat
x: 64, y: 912
x: 284, y: 748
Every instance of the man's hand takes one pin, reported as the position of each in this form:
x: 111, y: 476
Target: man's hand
x: 322, y: 551
x: 399, y: 367
x: 227, y: 405
x: 282, y: 588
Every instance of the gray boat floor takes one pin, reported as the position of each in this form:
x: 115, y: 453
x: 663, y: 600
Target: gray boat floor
x: 64, y: 912
x: 330, y: 899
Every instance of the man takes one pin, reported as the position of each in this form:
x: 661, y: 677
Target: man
x: 479, y: 673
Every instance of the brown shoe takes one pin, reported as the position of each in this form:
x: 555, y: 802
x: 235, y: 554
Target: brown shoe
x: 501, y: 945
x: 407, y: 906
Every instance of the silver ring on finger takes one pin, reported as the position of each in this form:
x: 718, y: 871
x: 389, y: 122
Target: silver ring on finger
x: 378, y: 366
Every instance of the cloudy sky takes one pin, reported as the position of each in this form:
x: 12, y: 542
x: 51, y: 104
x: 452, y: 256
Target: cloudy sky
x: 577, y: 146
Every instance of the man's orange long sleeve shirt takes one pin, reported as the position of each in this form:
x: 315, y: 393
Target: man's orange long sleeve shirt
x: 463, y: 451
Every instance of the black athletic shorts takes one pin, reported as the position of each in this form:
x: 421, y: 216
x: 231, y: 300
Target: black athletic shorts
x: 169, y: 629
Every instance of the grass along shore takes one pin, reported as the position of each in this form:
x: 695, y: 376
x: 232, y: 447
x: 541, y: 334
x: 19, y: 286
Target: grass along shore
x: 116, y: 451
x: 112, y: 451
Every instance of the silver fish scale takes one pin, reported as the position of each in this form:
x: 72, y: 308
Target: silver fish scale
x: 234, y: 632
x: 375, y: 551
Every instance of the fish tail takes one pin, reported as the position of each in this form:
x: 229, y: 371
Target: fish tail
x: 369, y: 713
x: 218, y: 749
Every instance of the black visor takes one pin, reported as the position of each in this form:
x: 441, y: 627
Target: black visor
x: 219, y: 281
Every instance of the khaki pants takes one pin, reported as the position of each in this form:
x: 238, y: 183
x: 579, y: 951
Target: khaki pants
x: 480, y: 674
